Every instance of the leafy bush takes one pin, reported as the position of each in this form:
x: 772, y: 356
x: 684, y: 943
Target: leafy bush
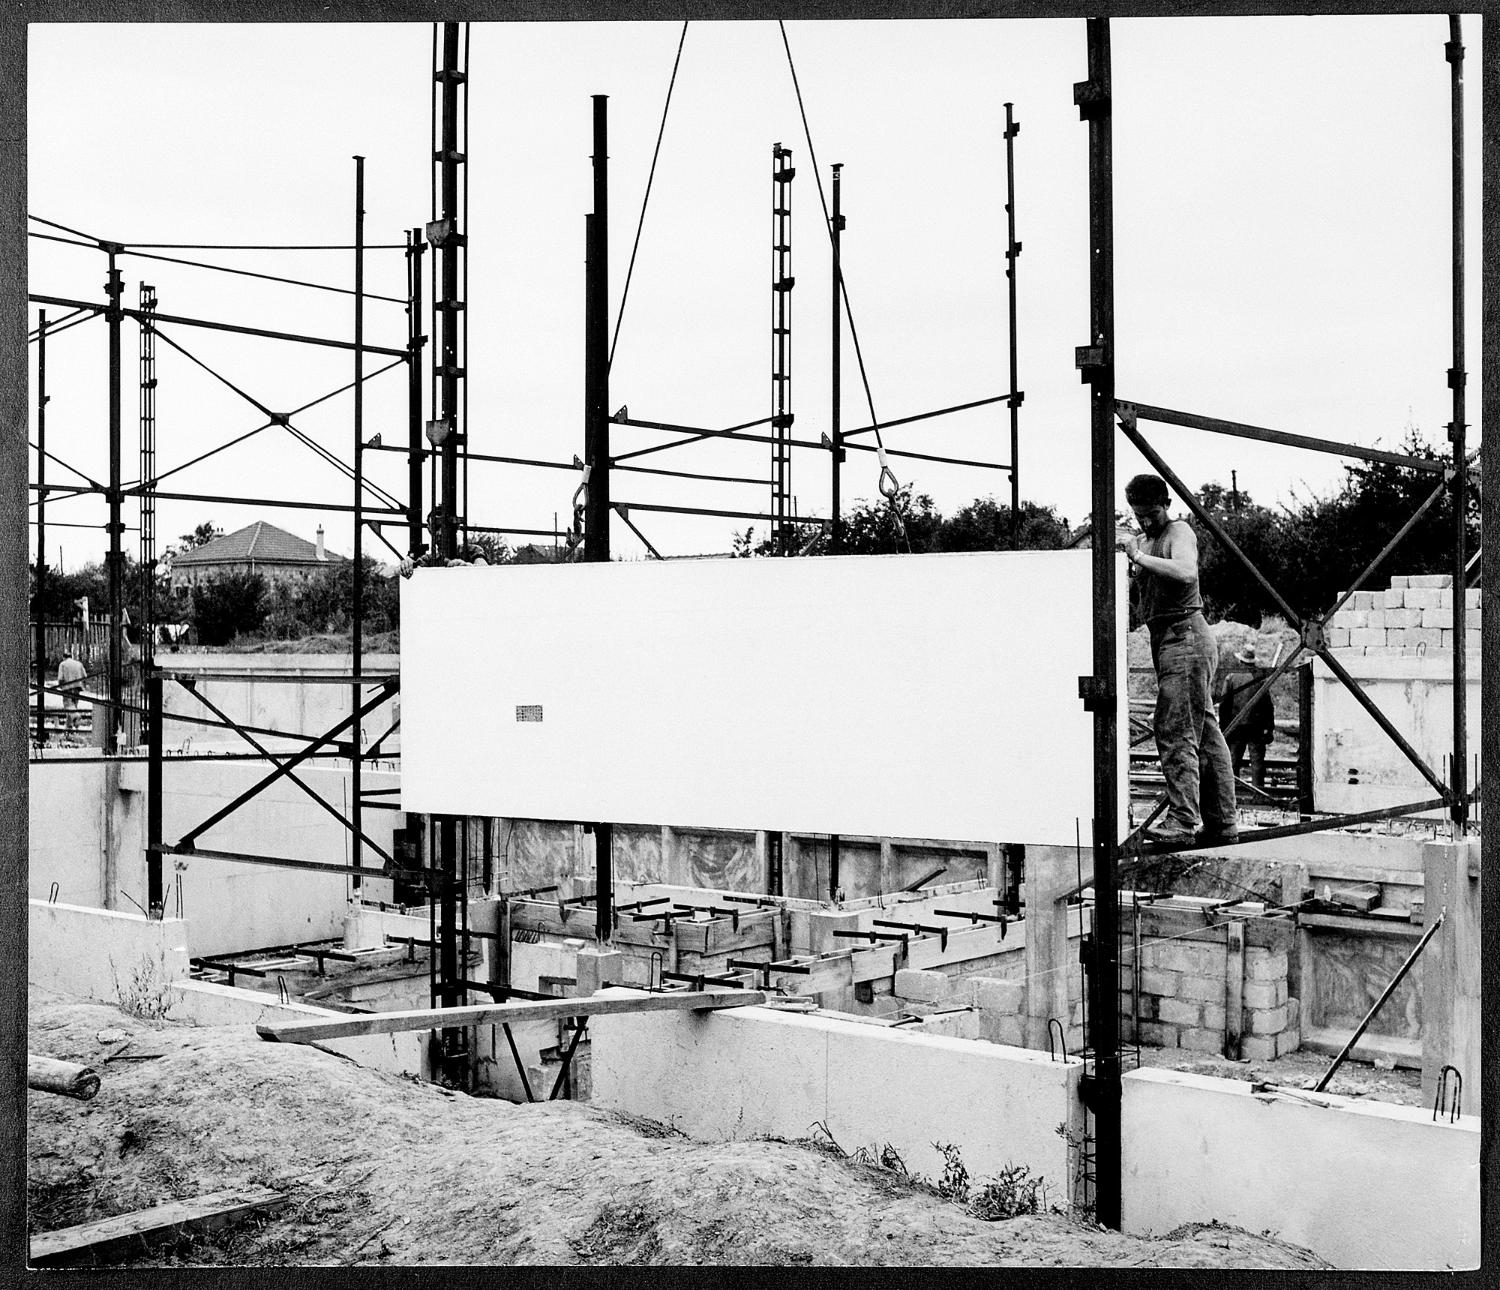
x: 228, y: 604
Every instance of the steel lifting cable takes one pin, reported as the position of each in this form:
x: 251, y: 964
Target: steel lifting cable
x: 889, y: 486
x: 650, y: 177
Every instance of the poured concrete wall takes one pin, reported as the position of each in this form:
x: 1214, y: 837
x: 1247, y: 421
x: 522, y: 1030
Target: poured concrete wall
x: 1364, y: 1185
x: 88, y: 835
x: 101, y: 954
x: 272, y: 705
x: 744, y: 1072
x: 1356, y: 767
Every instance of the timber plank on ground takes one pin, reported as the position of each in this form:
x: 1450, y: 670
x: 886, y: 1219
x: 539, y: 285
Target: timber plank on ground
x: 112, y: 1237
x: 494, y: 1014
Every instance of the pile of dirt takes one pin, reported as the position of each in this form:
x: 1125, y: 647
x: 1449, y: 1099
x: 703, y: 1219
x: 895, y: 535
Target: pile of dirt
x: 383, y: 1170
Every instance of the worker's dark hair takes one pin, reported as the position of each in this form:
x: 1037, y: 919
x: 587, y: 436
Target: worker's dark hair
x: 1147, y: 490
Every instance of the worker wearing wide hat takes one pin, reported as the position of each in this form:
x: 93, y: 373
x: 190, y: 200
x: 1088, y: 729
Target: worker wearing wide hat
x: 1255, y: 731
x: 1194, y: 757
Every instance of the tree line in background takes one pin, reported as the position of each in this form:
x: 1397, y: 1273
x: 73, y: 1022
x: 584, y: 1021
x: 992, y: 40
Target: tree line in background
x: 1309, y: 550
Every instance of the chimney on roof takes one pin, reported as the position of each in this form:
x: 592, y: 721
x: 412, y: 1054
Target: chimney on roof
x: 322, y: 555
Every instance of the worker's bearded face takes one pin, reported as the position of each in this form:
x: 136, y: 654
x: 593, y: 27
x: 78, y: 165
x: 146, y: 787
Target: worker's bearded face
x: 1152, y: 519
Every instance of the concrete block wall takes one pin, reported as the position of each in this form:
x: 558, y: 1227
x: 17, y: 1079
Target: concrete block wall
x: 1366, y: 1185
x: 740, y: 1073
x: 1185, y: 986
x: 1413, y: 613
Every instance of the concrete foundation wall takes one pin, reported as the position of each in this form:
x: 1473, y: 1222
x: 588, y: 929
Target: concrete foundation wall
x: 88, y: 835
x: 100, y: 954
x: 272, y: 705
x: 747, y: 1072
x: 205, y: 1003
x: 1364, y: 1185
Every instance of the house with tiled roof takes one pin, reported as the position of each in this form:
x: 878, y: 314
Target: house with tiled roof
x: 278, y: 556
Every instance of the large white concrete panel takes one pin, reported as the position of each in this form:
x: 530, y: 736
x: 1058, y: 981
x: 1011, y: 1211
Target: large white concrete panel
x: 1364, y: 1184
x: 900, y: 696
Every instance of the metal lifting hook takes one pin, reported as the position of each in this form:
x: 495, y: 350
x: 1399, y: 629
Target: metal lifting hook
x: 889, y: 486
x: 581, y: 493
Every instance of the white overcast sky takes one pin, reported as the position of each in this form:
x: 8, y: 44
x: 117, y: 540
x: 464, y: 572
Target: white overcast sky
x: 1282, y: 238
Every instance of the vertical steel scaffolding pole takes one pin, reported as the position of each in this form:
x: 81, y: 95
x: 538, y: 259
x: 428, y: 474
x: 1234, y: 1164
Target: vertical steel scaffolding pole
x: 836, y: 432
x: 782, y: 282
x: 1012, y: 251
x: 415, y: 451
x: 356, y: 763
x: 155, y: 892
x: 449, y: 240
x: 39, y: 596
x: 596, y: 445
x: 1096, y: 360
x: 1458, y: 778
x: 114, y: 316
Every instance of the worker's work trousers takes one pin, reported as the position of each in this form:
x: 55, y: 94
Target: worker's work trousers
x: 1194, y: 757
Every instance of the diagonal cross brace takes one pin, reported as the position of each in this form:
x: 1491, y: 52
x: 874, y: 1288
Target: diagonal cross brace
x: 276, y: 761
x: 1311, y: 632
x: 286, y: 767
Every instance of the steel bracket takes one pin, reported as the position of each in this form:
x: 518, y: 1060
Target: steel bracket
x: 1097, y: 695
x: 1314, y: 637
x: 1090, y: 360
x: 1091, y: 99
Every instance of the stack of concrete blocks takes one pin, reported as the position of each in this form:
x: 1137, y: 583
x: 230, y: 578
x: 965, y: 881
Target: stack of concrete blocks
x: 989, y: 1006
x: 1414, y: 616
x: 1187, y: 984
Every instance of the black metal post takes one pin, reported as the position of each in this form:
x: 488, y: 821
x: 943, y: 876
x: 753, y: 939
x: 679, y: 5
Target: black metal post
x: 1458, y: 777
x: 356, y: 763
x: 40, y: 591
x: 836, y: 432
x: 835, y: 440
x: 596, y: 447
x: 1097, y: 363
x: 114, y: 288
x: 1012, y: 251
x: 596, y: 397
x: 449, y: 369
x: 415, y: 451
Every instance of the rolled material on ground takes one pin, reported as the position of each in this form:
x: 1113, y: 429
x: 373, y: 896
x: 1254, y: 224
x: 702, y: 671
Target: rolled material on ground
x: 67, y: 1078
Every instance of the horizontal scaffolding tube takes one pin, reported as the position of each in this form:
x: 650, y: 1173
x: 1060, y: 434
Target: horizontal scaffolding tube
x: 271, y: 501
x: 923, y: 456
x: 154, y: 318
x: 728, y: 515
x: 280, y: 862
x: 927, y: 416
x: 1213, y: 425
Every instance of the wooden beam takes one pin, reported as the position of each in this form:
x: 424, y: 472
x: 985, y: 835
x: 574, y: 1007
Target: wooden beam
x: 113, y: 1237
x: 494, y: 1014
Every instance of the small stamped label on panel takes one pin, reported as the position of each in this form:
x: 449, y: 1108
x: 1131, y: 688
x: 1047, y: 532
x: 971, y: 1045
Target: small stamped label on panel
x: 528, y: 712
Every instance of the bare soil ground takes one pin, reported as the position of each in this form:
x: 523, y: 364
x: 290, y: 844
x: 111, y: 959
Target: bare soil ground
x: 382, y: 1170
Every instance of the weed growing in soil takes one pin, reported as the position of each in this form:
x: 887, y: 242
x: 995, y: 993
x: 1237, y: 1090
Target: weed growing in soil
x: 147, y: 993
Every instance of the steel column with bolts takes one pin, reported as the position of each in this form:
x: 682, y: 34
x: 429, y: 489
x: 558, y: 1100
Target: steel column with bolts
x: 836, y: 318
x: 596, y: 446
x: 1012, y: 253
x: 1096, y: 361
x: 39, y: 594
x: 415, y: 450
x: 356, y: 642
x: 1458, y: 778
x: 114, y: 287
